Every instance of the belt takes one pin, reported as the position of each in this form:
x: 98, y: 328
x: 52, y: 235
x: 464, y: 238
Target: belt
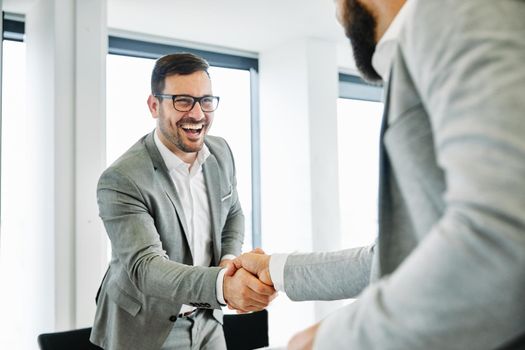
x: 188, y: 313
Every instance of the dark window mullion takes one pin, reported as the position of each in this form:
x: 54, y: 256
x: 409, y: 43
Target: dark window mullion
x: 12, y: 29
x: 144, y: 49
x: 355, y: 88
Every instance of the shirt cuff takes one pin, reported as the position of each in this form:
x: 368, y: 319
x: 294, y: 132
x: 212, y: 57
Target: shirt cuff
x: 218, y: 287
x: 277, y: 262
x: 228, y: 257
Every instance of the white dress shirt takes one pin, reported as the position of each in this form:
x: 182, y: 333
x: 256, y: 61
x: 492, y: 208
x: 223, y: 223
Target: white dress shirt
x: 191, y: 188
x: 382, y: 62
x: 386, y: 47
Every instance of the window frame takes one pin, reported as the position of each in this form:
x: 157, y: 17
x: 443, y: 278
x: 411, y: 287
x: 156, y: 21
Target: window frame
x: 354, y: 87
x: 12, y: 28
x: 121, y: 45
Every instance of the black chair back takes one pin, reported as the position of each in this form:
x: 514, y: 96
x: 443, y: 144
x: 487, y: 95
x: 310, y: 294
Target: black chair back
x: 77, y: 339
x: 242, y: 332
x: 246, y: 331
x: 517, y: 343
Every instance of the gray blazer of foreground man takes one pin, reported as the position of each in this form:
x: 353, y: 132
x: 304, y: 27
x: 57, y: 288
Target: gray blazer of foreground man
x: 448, y: 269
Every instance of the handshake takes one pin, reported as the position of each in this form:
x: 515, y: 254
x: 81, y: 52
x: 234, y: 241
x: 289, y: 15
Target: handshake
x: 248, y: 286
x: 247, y: 283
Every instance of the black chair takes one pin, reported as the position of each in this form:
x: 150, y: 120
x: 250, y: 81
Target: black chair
x: 242, y: 332
x: 517, y: 343
x: 246, y: 331
x: 77, y: 339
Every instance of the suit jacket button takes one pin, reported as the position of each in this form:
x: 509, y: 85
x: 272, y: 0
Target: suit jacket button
x: 173, y: 318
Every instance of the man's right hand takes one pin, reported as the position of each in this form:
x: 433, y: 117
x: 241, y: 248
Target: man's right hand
x: 245, y: 292
x: 257, y: 263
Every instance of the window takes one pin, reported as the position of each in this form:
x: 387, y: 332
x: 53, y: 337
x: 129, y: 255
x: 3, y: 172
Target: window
x: 359, y: 122
x: 19, y: 295
x: 129, y: 66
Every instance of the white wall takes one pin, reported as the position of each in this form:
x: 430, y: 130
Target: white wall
x: 285, y: 177
x: 60, y: 45
x: 90, y: 153
x: 300, y: 207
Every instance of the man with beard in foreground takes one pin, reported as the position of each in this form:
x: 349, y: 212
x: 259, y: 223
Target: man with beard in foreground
x: 447, y: 271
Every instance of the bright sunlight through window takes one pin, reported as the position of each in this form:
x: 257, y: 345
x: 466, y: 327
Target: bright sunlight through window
x: 359, y: 124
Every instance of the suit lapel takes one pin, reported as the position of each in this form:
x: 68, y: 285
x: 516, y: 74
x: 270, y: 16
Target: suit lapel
x: 166, y: 182
x: 383, y: 161
x: 212, y: 177
x: 397, y: 237
x: 384, y: 183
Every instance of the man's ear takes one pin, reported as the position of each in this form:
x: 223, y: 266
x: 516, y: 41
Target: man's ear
x: 153, y: 105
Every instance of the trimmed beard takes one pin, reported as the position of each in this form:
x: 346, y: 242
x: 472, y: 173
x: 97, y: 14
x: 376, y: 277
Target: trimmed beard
x: 360, y: 27
x: 175, y: 137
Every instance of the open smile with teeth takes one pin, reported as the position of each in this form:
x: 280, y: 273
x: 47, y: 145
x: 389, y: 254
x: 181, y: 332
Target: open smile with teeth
x: 192, y: 129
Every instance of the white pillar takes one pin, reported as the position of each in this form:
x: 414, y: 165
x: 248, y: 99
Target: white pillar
x: 323, y: 83
x: 90, y: 152
x: 66, y: 50
x: 47, y: 50
x: 299, y: 189
x: 61, y: 43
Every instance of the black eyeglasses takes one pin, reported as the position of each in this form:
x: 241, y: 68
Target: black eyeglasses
x: 185, y: 103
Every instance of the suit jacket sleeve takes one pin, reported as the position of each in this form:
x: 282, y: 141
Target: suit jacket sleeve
x: 463, y: 286
x: 319, y: 276
x: 137, y: 245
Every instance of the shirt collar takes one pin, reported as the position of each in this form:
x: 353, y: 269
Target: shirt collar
x: 173, y: 162
x: 385, y: 48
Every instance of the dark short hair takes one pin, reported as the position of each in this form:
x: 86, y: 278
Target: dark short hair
x: 182, y: 63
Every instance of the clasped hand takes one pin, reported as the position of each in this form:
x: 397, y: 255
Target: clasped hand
x: 247, y: 284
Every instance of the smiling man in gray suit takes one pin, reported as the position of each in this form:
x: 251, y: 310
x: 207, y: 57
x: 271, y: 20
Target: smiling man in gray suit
x: 171, y: 210
x: 448, y: 270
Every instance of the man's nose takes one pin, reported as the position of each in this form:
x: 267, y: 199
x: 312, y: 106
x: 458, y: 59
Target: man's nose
x: 196, y: 112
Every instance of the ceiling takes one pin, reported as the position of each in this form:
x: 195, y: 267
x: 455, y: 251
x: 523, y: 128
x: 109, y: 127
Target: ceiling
x: 247, y: 25
x: 251, y: 25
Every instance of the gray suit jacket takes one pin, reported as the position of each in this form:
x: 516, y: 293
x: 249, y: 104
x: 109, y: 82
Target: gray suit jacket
x: 151, y: 274
x: 448, y: 271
